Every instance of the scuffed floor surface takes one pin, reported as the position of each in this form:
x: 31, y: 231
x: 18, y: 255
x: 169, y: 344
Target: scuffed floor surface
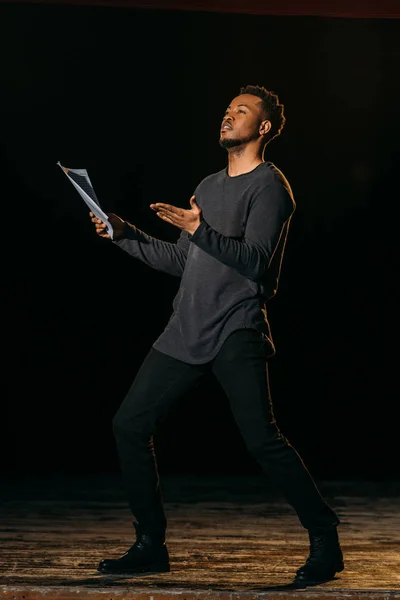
x: 228, y: 537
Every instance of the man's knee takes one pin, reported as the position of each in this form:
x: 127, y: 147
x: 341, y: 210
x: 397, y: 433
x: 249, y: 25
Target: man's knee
x: 124, y: 425
x: 117, y: 423
x: 131, y: 424
x: 270, y: 443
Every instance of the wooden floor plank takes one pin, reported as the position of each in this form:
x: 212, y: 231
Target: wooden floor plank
x: 246, y: 546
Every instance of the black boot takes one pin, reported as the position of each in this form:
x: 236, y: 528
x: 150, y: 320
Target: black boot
x: 324, y: 561
x: 148, y: 554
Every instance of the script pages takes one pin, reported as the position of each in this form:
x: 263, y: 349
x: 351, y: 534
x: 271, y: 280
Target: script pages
x: 81, y: 182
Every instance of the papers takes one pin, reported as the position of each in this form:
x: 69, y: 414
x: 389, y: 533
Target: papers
x: 81, y: 182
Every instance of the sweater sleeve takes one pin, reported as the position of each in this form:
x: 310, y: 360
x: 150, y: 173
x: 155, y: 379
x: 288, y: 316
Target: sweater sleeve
x: 162, y: 256
x: 251, y: 256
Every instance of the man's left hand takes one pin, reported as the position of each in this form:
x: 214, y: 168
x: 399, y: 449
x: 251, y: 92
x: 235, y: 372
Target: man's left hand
x: 188, y: 220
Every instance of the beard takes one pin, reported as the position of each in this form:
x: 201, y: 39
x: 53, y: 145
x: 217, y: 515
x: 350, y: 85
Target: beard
x: 227, y: 143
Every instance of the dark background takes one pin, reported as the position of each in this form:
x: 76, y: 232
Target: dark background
x: 136, y: 97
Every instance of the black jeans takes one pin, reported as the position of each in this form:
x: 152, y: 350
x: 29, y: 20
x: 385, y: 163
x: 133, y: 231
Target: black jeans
x: 241, y: 369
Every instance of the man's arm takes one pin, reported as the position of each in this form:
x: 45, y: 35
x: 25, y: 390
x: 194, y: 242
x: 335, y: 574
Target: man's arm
x: 163, y: 256
x: 251, y: 257
x: 160, y: 255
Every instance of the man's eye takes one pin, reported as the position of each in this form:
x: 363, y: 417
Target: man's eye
x: 242, y: 111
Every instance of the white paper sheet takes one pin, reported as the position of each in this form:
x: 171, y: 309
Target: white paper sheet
x: 89, y: 196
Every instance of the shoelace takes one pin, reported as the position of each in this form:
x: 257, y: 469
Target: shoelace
x: 317, y: 544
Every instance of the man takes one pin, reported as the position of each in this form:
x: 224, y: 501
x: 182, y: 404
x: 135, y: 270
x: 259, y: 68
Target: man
x: 229, y: 256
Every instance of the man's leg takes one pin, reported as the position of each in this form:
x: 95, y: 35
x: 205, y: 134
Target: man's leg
x: 241, y: 369
x: 160, y: 381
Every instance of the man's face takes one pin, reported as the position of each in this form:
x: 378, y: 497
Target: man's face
x: 242, y: 121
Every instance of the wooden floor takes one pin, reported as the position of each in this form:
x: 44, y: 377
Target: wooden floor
x: 228, y: 538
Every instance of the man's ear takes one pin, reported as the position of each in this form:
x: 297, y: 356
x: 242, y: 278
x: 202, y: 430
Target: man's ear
x: 265, y: 127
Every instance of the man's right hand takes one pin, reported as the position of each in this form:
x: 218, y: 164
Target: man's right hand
x: 119, y: 226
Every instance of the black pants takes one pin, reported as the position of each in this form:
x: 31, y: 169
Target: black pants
x: 241, y: 369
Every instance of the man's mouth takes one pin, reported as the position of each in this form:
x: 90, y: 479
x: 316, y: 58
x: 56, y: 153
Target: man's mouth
x: 226, y: 126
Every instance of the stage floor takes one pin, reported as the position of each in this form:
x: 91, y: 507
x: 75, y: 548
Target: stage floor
x: 228, y: 538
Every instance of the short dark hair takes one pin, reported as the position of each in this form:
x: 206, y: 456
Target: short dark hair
x: 271, y: 107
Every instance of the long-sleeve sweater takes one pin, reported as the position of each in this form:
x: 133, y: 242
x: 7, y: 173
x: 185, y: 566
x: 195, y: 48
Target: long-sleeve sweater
x: 229, y: 267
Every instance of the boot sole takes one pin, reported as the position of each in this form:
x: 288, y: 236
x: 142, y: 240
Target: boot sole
x: 145, y: 569
x: 327, y: 577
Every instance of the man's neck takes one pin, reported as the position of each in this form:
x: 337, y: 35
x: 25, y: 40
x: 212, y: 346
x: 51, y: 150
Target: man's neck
x: 242, y: 160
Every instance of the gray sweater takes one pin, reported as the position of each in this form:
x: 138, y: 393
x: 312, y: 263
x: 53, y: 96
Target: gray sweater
x: 229, y: 267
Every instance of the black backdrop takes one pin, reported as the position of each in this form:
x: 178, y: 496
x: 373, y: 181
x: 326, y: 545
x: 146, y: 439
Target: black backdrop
x: 136, y: 97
